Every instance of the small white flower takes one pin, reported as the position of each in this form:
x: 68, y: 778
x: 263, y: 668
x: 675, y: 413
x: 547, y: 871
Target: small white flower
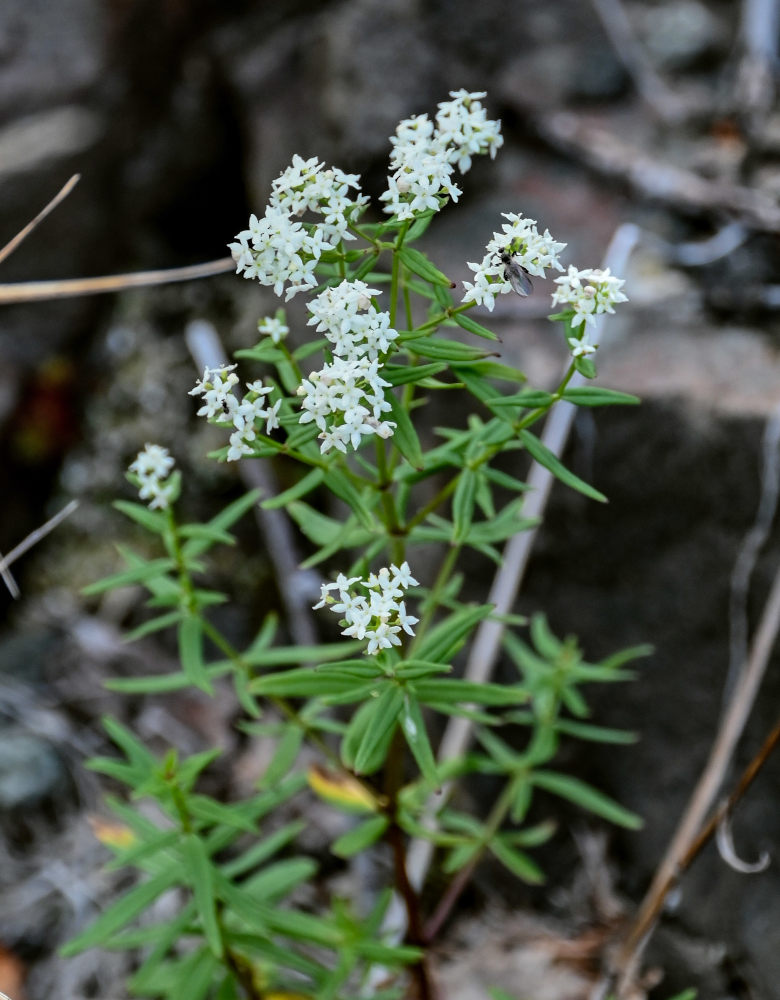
x: 273, y: 327
x: 589, y: 293
x: 581, y: 347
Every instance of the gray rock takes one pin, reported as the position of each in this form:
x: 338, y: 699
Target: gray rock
x: 30, y: 769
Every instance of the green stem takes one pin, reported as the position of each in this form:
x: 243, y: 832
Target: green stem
x: 493, y: 824
x: 432, y: 601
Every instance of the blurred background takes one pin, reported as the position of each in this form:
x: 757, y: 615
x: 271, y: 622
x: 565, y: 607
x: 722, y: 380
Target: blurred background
x: 177, y: 115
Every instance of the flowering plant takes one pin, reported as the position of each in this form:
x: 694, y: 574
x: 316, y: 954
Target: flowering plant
x: 365, y: 703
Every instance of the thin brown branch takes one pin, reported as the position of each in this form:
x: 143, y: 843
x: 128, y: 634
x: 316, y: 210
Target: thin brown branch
x: 32, y: 539
x: 63, y: 193
x: 690, y: 827
x: 36, y: 291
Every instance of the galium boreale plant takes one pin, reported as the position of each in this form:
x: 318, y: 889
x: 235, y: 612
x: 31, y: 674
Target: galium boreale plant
x: 347, y: 405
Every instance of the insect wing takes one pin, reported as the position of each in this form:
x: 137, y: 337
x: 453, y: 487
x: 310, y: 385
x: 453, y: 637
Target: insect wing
x: 516, y: 275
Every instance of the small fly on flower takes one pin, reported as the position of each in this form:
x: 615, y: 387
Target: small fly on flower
x: 515, y: 274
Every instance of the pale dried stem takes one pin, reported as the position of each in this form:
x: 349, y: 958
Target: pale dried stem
x: 32, y: 539
x: 63, y: 193
x: 36, y: 291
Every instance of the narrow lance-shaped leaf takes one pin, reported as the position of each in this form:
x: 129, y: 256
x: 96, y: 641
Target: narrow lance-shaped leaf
x: 191, y: 653
x: 373, y: 746
x: 584, y: 795
x: 361, y: 837
x: 419, y: 264
x: 463, y: 504
x: 122, y: 912
x: 542, y: 454
x: 413, y: 727
x: 200, y: 875
x: 405, y: 436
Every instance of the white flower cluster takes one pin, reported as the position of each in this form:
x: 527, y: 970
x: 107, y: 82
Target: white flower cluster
x: 346, y: 397
x: 528, y: 248
x: 152, y: 466
x: 273, y: 327
x: 277, y: 249
x: 350, y: 323
x: 589, y: 293
x: 377, y: 613
x: 425, y: 153
x: 220, y: 403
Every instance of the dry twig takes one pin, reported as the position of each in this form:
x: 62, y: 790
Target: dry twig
x: 690, y: 831
x: 32, y: 539
x: 63, y: 193
x: 37, y: 291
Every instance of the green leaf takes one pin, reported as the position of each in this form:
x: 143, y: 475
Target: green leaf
x: 419, y: 226
x: 200, y: 876
x: 479, y: 387
x: 546, y: 643
x: 463, y: 504
x: 164, y: 683
x: 285, y: 755
x: 452, y: 691
x: 206, y: 533
x: 122, y: 912
x: 593, y: 395
x: 517, y: 862
x: 276, y: 880
x: 212, y: 812
x: 261, y: 851
x: 596, y: 734
x: 419, y: 264
x: 304, y: 682
x: 361, y: 837
x: 413, y: 728
x: 441, y: 349
x: 222, y: 521
x: 403, y: 374
x: 585, y: 366
x: 153, y: 520
x: 467, y: 323
x: 305, y: 485
x: 191, y: 653
x: 405, y: 437
x: 542, y: 454
x: 338, y: 482
x: 153, y: 625
x: 587, y: 797
x: 147, y: 571
x: 529, y: 399
x: 443, y: 641
x: 373, y: 746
